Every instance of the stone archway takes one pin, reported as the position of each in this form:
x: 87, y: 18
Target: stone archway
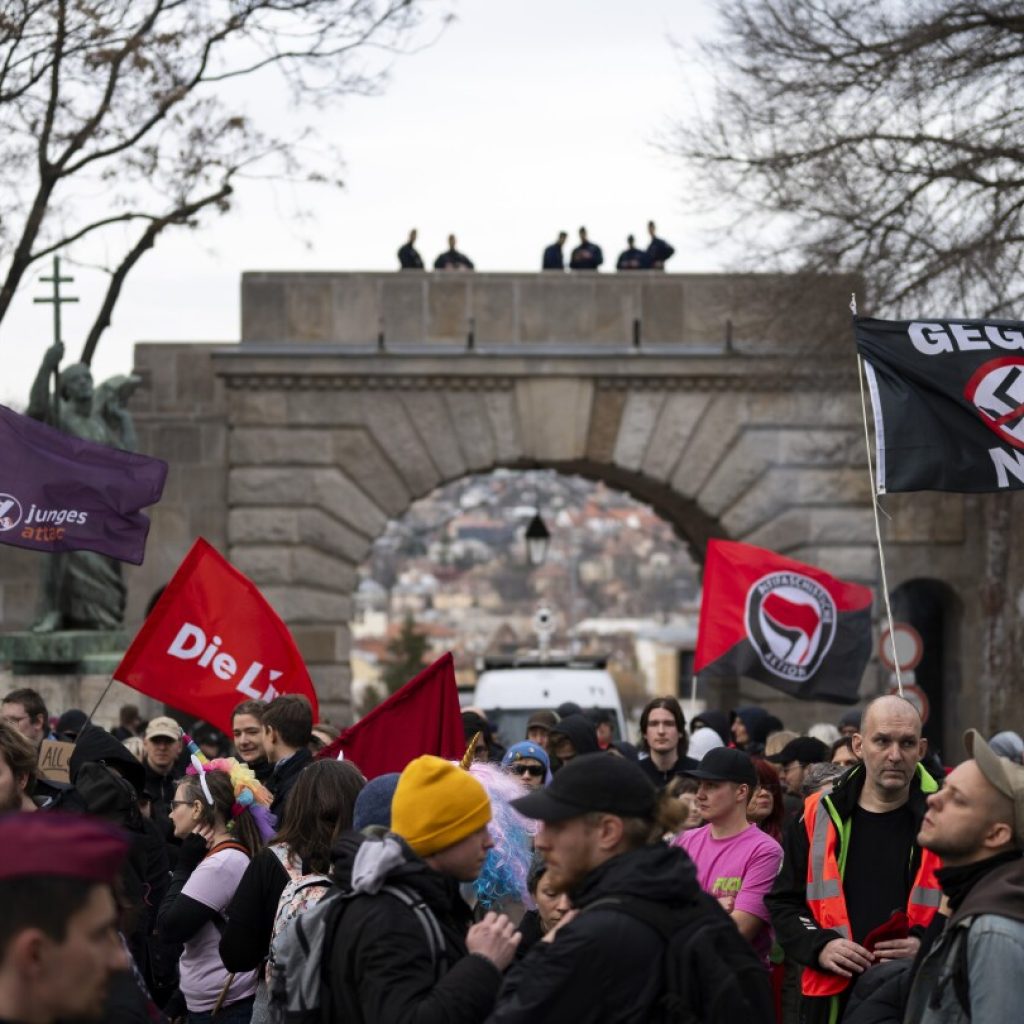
x: 318, y: 462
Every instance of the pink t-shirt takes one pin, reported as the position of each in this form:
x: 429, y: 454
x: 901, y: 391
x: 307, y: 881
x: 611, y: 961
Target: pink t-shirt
x: 743, y: 866
x: 213, y: 883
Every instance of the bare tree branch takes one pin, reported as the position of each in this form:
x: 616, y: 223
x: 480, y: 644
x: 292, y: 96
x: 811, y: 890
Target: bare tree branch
x: 128, y: 101
x: 881, y: 139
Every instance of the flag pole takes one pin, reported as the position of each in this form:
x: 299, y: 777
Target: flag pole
x: 874, y: 508
x: 693, y: 696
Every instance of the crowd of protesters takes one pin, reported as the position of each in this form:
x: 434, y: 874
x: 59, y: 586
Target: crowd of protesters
x: 587, y: 255
x: 728, y: 869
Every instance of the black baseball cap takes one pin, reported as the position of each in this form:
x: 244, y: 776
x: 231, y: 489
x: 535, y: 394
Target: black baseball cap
x: 725, y: 764
x: 592, y: 782
x: 805, y: 749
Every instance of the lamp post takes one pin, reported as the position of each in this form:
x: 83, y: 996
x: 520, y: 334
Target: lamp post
x: 537, y: 540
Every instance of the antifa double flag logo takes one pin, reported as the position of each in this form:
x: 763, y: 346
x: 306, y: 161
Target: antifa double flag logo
x: 783, y: 623
x: 948, y: 399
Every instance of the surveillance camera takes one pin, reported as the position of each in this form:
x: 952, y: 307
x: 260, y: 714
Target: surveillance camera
x: 543, y: 620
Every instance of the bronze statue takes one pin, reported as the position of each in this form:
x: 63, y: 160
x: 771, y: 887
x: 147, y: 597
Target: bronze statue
x: 82, y: 589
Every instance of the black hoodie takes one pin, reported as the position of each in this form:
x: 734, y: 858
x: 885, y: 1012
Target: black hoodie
x: 603, y: 967
x: 381, y: 971
x: 580, y: 730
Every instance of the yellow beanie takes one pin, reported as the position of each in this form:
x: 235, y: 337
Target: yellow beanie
x: 437, y: 804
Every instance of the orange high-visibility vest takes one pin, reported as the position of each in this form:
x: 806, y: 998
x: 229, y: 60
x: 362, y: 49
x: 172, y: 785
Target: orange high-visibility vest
x: 825, y: 897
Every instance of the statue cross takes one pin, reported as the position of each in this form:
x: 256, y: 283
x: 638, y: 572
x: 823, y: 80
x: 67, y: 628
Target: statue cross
x: 58, y: 300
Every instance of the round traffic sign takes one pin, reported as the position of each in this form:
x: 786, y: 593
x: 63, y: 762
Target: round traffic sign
x: 909, y: 647
x: 916, y: 696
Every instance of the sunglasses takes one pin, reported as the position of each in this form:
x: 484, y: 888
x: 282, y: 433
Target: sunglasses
x: 528, y: 769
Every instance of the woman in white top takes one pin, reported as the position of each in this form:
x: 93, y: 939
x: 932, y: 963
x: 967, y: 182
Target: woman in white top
x: 220, y: 814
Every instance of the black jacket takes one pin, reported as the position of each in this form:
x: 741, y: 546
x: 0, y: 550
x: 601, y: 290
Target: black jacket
x: 661, y: 779
x: 284, y: 776
x: 795, y: 928
x: 245, y: 941
x: 602, y: 967
x: 381, y: 970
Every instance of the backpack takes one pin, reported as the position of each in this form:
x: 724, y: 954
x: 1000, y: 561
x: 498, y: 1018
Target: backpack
x: 711, y: 974
x: 299, y: 993
x: 301, y: 893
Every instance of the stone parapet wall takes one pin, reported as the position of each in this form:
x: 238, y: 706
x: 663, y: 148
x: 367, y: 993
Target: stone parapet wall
x: 702, y: 311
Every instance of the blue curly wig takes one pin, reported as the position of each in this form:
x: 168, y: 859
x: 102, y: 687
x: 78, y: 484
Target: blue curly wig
x: 507, y: 866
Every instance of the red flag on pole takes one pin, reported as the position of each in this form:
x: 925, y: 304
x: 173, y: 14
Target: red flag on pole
x: 212, y: 641
x: 784, y: 623
x: 422, y: 717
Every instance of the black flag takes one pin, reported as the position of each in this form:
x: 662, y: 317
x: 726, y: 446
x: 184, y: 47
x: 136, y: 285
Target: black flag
x: 948, y: 399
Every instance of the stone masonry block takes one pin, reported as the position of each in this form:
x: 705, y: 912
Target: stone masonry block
x: 310, y: 312
x: 616, y: 306
x: 319, y: 643
x: 397, y: 433
x: 306, y: 604
x: 355, y: 309
x: 494, y: 311
x: 802, y: 527
x: 263, y: 309
x: 758, y: 449
x: 257, y: 525
x: 404, y: 309
x: 448, y: 309
x: 709, y: 442
x: 662, y: 310
x: 636, y: 426
x: 263, y: 564
x: 358, y: 457
x: 432, y: 418
x: 609, y: 407
x: 784, y: 486
x: 473, y: 428
x: 679, y: 417
x: 319, y: 530
x: 555, y: 311
x: 555, y: 418
x: 328, y: 488
x: 333, y: 685
x: 502, y: 411
x: 258, y: 408
x: 287, y: 446
x: 316, y: 568
x: 924, y: 518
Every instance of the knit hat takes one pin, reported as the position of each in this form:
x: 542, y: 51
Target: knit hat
x: 437, y: 804
x: 373, y: 805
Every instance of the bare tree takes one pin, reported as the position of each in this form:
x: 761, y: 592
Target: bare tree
x: 121, y: 118
x: 884, y: 139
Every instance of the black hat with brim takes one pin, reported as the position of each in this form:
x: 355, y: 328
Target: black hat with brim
x: 592, y: 782
x: 725, y: 764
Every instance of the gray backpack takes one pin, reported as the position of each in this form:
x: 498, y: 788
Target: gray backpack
x: 299, y: 993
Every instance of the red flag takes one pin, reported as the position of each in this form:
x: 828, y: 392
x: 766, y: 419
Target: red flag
x: 790, y: 625
x: 212, y: 641
x: 422, y: 717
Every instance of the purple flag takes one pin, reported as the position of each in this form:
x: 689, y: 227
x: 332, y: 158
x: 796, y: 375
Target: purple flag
x: 60, y: 493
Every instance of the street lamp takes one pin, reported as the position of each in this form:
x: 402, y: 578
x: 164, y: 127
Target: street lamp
x: 537, y: 538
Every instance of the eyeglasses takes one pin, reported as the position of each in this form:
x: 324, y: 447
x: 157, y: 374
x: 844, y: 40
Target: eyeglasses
x: 182, y: 803
x: 537, y: 770
x: 12, y: 720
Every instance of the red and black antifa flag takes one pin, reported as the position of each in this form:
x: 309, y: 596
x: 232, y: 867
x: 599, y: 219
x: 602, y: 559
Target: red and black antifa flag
x: 783, y: 623
x: 948, y: 399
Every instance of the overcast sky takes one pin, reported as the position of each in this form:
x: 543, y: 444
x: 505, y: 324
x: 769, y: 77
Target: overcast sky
x: 522, y: 119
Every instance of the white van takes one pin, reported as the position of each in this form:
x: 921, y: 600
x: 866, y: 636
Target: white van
x: 510, y: 691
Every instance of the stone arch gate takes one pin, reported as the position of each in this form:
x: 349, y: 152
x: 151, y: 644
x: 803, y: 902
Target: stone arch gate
x: 730, y: 404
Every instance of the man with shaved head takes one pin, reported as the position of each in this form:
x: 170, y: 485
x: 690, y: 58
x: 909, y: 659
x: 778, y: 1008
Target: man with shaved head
x: 856, y: 888
x: 976, y: 824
